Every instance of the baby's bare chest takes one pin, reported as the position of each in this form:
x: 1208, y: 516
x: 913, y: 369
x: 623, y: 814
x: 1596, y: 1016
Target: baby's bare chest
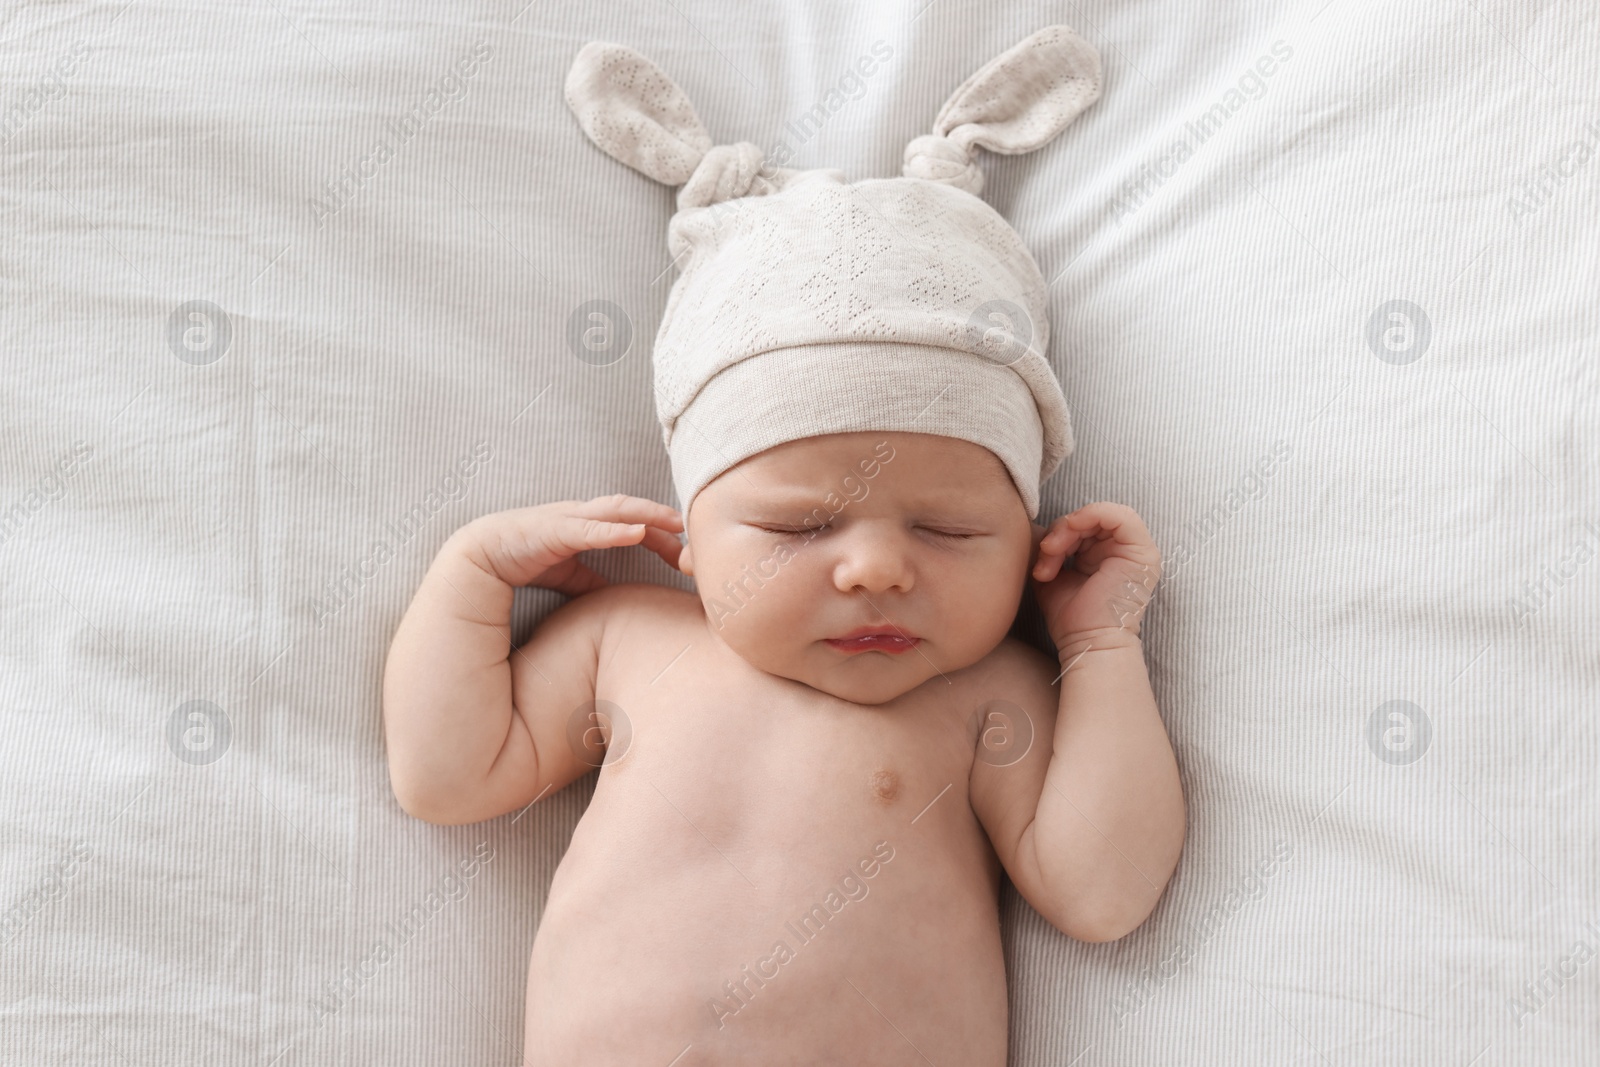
x: 751, y: 844
x: 772, y: 766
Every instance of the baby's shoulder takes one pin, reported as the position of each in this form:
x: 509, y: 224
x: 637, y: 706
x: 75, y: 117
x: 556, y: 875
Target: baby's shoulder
x: 1011, y: 658
x: 645, y: 606
x: 1014, y: 672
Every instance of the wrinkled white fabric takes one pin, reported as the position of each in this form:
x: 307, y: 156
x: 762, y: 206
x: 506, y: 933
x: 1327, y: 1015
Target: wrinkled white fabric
x: 1339, y: 530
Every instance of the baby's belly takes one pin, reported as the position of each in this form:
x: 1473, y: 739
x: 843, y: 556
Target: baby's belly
x: 769, y: 915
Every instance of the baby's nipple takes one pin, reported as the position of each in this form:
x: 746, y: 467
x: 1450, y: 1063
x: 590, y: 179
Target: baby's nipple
x: 885, y: 785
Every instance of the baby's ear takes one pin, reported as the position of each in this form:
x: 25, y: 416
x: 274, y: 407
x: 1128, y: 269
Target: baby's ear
x: 635, y: 113
x: 1023, y: 97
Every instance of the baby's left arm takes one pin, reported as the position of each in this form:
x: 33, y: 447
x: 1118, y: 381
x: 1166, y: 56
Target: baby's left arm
x: 1089, y: 819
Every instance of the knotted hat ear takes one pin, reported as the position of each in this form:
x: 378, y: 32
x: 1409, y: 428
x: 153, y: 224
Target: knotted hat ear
x: 821, y: 306
x: 637, y: 115
x: 1015, y: 103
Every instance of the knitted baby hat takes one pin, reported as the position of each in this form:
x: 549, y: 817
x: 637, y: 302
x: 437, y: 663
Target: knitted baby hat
x: 809, y: 305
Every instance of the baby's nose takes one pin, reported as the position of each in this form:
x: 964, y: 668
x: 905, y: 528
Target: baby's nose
x: 873, y: 562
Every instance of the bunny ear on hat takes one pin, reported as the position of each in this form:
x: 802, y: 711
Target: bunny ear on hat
x: 864, y: 315
x: 1016, y: 102
x: 637, y: 115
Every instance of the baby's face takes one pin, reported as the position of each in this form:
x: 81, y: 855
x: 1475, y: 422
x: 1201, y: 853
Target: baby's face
x: 920, y: 534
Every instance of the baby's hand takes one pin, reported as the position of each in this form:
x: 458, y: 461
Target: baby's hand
x: 1114, y: 573
x: 539, y: 545
x: 465, y: 727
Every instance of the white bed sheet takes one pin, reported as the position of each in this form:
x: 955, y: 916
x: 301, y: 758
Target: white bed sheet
x: 1351, y: 516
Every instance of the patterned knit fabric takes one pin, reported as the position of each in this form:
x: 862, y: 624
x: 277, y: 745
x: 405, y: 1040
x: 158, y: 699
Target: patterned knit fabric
x: 809, y: 305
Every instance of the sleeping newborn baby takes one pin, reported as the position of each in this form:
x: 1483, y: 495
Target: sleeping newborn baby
x: 812, y: 770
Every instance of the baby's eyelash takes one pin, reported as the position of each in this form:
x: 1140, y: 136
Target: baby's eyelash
x: 818, y: 529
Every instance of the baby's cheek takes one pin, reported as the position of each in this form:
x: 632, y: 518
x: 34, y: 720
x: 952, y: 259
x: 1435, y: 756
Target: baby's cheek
x: 765, y: 635
x: 982, y: 611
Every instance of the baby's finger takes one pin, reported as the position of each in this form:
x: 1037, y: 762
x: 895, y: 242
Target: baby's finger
x: 619, y: 507
x: 664, y: 544
x: 1092, y: 555
x: 1144, y: 559
x: 1060, y: 540
x: 1117, y: 520
x: 1051, y: 548
x: 577, y: 534
x: 538, y: 544
x: 1049, y: 564
x: 523, y: 546
x: 1047, y: 567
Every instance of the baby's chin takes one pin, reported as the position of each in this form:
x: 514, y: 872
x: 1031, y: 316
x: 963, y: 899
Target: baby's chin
x: 867, y: 678
x: 868, y: 684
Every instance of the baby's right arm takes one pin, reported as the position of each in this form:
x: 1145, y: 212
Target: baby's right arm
x: 476, y: 729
